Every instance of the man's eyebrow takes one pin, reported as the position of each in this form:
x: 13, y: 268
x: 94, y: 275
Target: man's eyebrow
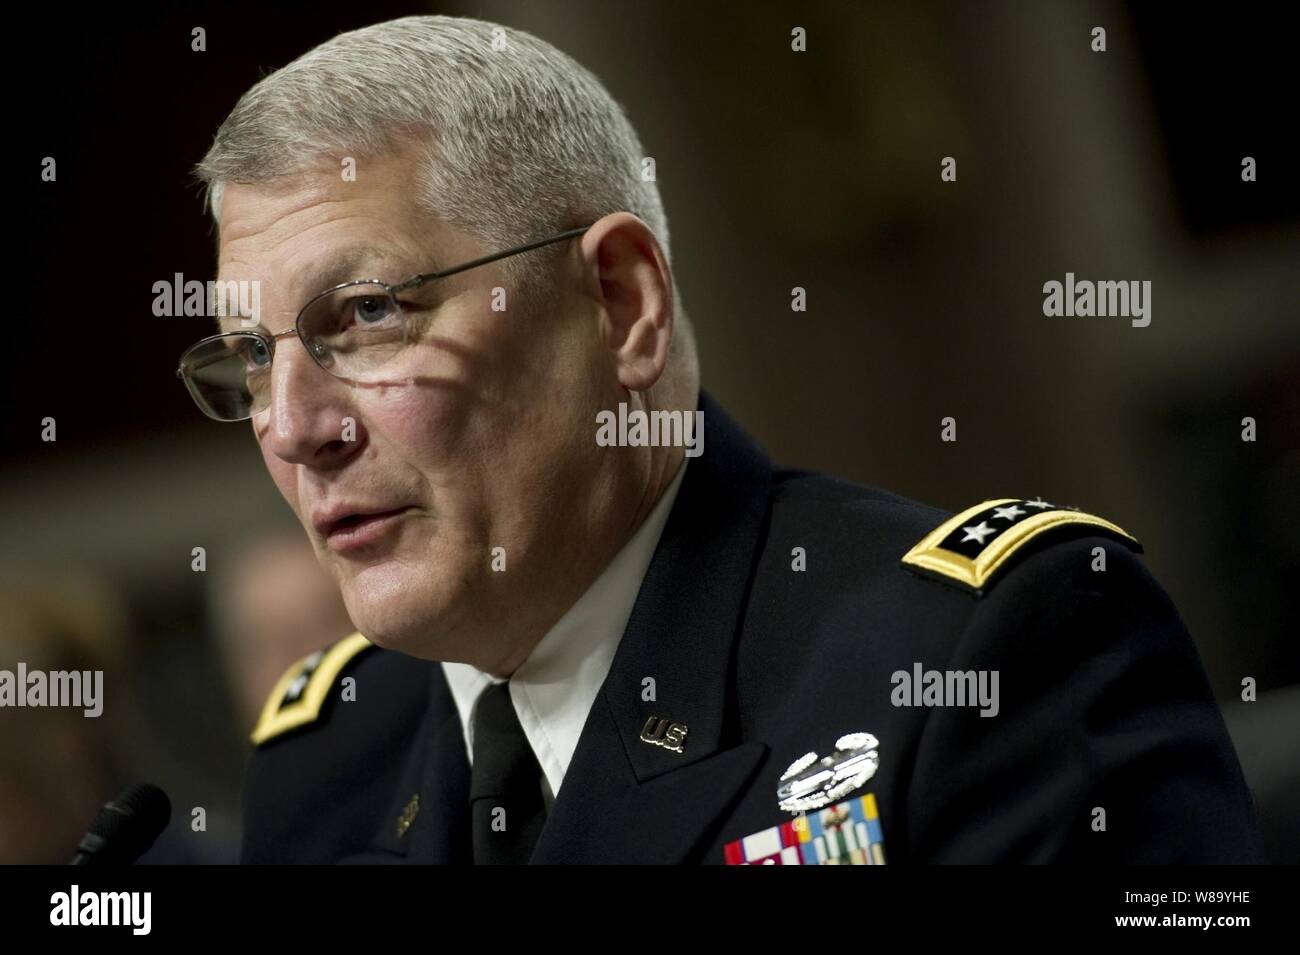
x: 360, y: 262
x: 348, y: 264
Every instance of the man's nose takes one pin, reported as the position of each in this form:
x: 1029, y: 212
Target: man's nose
x: 312, y: 420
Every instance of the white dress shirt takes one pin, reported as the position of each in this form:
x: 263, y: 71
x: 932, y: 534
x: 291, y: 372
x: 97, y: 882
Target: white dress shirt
x: 553, y: 689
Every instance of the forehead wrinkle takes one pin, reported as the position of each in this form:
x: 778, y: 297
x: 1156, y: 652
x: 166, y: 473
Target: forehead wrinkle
x: 269, y: 209
x: 285, y: 232
x: 264, y: 229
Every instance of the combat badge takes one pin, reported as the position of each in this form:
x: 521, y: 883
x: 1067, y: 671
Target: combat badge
x: 811, y: 783
x: 846, y: 833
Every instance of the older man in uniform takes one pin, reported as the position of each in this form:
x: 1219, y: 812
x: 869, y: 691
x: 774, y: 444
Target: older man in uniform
x: 576, y: 652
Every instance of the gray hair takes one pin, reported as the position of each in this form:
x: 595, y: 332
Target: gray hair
x: 521, y: 141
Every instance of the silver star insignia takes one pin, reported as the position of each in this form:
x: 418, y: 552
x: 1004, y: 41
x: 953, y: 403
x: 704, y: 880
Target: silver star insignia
x: 1008, y: 513
x: 1039, y: 503
x: 978, y: 532
x: 296, y: 687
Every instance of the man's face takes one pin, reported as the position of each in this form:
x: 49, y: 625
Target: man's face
x: 481, y: 437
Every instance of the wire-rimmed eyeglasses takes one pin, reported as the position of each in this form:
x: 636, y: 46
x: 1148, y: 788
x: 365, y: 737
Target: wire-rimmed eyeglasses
x: 351, y: 331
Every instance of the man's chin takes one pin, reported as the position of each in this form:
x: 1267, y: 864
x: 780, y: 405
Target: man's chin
x: 401, y: 635
x: 397, y: 614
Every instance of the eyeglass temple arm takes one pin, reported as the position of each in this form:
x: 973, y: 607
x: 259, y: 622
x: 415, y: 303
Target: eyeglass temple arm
x: 426, y: 276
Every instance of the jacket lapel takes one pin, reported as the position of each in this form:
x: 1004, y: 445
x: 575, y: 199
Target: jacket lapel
x: 444, y: 836
x: 428, y: 820
x: 627, y: 800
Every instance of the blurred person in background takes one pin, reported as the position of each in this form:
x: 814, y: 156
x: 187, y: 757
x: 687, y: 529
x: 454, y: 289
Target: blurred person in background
x: 274, y: 606
x: 57, y: 765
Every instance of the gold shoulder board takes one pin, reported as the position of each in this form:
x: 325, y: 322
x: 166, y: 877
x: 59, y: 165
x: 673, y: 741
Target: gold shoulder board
x: 971, y: 548
x: 299, y: 696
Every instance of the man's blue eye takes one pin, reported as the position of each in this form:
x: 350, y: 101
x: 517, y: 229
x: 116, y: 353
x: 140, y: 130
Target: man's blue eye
x: 256, y: 354
x: 370, y: 309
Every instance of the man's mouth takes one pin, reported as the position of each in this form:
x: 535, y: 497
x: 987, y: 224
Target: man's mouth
x: 352, y: 530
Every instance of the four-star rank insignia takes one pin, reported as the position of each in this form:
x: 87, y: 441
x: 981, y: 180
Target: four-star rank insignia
x: 300, y: 695
x: 974, y: 547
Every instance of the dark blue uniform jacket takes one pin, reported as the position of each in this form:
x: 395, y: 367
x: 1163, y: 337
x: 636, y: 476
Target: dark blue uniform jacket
x: 1103, y: 702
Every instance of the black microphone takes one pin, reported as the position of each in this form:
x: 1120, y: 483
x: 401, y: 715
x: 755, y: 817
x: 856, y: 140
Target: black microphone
x: 126, y: 827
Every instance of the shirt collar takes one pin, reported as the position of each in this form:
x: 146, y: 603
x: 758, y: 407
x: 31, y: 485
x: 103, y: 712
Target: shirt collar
x: 553, y: 689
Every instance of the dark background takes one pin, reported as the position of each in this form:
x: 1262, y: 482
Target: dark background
x: 778, y: 169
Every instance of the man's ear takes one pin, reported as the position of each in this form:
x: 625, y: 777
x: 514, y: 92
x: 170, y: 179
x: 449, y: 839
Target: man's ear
x: 630, y: 278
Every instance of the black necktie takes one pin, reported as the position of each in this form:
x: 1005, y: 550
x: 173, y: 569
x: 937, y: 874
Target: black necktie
x: 505, y: 789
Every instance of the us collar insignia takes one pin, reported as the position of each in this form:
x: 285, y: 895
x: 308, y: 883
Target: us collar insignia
x: 661, y: 732
x: 811, y: 783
